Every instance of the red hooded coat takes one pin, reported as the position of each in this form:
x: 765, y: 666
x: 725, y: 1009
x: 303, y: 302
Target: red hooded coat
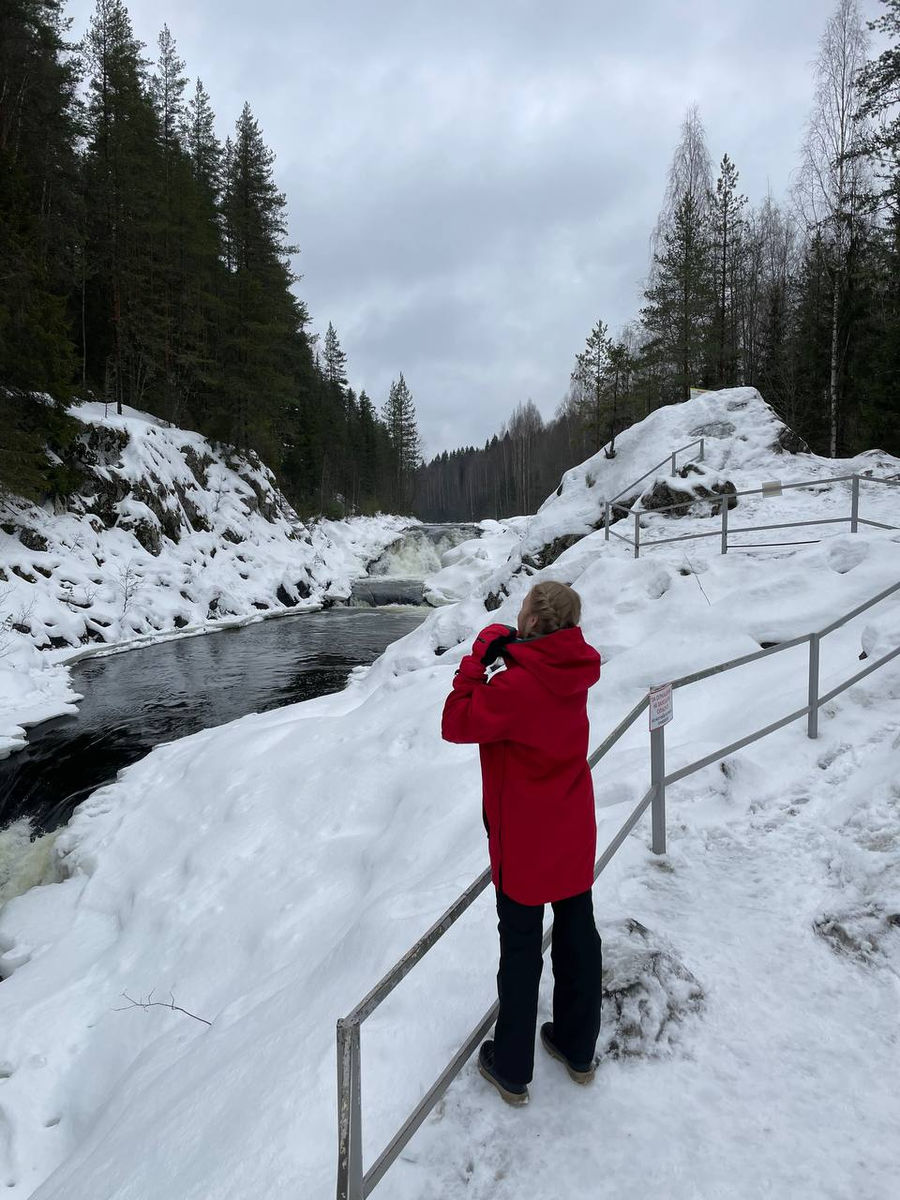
x: 531, y: 724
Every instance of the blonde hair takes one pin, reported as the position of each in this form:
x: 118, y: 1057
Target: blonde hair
x: 556, y: 606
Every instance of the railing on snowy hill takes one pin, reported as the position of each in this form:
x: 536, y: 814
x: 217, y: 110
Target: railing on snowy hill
x: 353, y: 1183
x: 721, y: 501
x: 670, y: 459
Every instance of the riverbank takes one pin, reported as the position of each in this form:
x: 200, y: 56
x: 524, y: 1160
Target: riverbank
x: 169, y: 536
x: 176, y: 688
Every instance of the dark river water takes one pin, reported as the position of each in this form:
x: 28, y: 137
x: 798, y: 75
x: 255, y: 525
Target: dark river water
x: 139, y: 698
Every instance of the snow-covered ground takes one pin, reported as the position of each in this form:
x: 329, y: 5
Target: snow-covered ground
x: 173, y: 535
x: 263, y: 875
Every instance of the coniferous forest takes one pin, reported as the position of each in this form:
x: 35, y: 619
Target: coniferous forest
x: 145, y: 263
x: 799, y: 299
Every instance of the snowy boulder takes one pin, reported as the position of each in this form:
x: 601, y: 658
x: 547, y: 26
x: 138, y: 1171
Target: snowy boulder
x: 30, y: 538
x: 881, y: 635
x: 715, y: 429
x: 648, y: 995
x: 699, y: 485
x: 789, y: 442
x: 548, y: 554
x: 865, y: 933
x: 847, y: 552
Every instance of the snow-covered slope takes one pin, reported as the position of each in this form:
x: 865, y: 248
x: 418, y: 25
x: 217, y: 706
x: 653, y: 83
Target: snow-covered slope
x: 745, y: 444
x: 169, y: 533
x: 262, y: 876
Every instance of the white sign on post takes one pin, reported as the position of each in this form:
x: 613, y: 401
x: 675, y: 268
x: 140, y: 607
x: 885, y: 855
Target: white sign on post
x: 660, y: 706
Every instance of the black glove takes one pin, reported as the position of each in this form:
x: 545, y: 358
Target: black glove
x: 491, y: 650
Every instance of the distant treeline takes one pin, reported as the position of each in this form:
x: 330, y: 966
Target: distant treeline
x: 144, y: 263
x: 512, y: 473
x: 800, y: 300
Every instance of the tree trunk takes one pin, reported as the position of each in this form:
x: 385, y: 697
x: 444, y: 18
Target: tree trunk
x: 833, y: 379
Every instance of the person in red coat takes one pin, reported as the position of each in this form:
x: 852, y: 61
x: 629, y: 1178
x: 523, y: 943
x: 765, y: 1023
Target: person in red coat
x: 528, y: 715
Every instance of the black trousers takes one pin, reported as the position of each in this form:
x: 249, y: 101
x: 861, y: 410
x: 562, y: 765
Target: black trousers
x: 575, y: 952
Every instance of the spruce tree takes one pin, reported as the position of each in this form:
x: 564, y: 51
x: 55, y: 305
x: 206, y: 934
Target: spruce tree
x: 399, y: 416
x: 264, y: 343
x: 591, y: 378
x: 726, y: 213
x: 334, y: 360
x: 678, y: 314
x: 198, y: 134
x: 680, y: 300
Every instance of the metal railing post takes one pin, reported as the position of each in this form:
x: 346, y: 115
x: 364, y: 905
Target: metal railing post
x: 637, y: 535
x: 854, y: 504
x: 812, y: 721
x: 702, y: 448
x: 658, y: 782
x: 673, y: 462
x: 606, y: 522
x: 350, y: 1170
x: 724, y: 524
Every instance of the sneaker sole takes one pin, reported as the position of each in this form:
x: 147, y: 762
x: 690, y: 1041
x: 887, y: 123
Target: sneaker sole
x: 516, y: 1099
x: 582, y: 1077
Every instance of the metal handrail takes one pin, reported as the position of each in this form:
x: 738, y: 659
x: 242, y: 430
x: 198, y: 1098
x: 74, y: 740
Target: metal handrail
x: 701, y: 442
x: 353, y: 1183
x: 720, y: 501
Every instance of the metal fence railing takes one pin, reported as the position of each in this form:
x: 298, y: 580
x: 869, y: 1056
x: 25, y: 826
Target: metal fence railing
x: 671, y: 459
x: 355, y: 1183
x: 721, y: 501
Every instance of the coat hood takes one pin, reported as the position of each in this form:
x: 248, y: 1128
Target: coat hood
x: 562, y: 661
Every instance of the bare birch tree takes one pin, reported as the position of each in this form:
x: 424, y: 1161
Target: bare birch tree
x: 833, y: 178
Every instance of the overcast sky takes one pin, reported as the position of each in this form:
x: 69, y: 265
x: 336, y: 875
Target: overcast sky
x: 473, y: 185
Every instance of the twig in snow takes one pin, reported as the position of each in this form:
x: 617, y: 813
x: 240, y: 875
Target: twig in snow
x: 697, y: 577
x: 151, y: 1003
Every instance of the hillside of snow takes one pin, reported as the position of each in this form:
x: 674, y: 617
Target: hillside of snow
x: 169, y: 533
x: 262, y: 876
x: 745, y: 444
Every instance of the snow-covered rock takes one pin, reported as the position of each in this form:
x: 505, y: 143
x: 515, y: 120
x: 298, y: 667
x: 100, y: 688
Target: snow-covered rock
x: 648, y: 994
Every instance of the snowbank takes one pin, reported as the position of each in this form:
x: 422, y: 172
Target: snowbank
x: 263, y: 875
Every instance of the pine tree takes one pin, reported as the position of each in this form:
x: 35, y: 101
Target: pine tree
x: 175, y: 221
x: 39, y: 125
x: 123, y: 179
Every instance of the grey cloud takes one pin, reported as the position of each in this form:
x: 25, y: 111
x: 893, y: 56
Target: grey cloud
x: 473, y: 185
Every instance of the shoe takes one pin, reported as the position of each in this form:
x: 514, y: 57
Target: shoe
x: 512, y: 1093
x: 580, y: 1073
